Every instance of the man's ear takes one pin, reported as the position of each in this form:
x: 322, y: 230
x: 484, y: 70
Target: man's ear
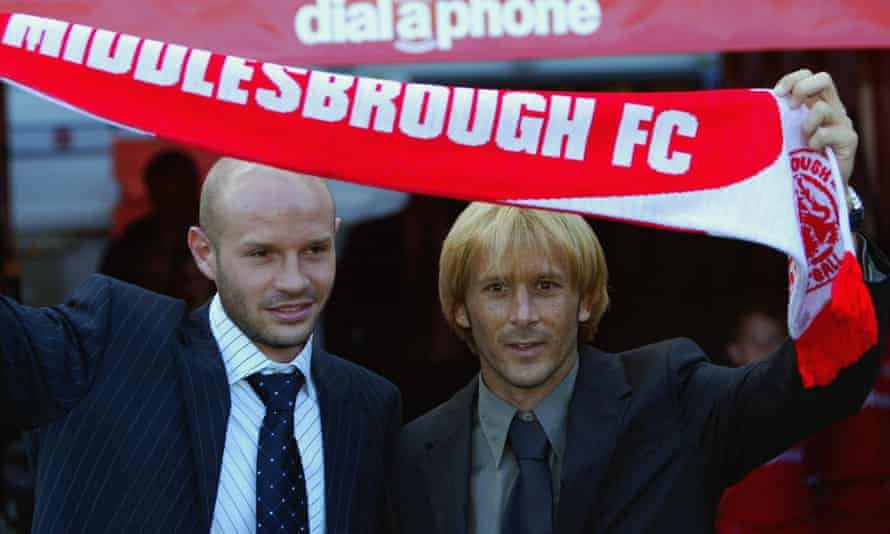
x: 734, y: 353
x: 461, y: 317
x: 202, y: 252
x: 337, y: 222
x: 585, y: 309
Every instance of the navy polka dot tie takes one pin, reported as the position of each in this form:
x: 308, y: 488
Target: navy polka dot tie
x: 280, y: 486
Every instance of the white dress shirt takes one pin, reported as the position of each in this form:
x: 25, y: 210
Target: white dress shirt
x: 235, y: 510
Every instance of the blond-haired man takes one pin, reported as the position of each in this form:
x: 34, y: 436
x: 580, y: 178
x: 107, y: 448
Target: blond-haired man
x: 555, y: 436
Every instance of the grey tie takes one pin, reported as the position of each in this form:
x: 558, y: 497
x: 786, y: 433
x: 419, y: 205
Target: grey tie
x: 530, y: 508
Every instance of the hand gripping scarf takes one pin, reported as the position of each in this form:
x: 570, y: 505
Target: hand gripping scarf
x: 727, y: 163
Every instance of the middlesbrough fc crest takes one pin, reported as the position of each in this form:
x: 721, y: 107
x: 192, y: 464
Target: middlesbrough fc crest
x: 814, y: 187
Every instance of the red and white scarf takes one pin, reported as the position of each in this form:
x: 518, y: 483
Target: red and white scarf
x: 725, y: 163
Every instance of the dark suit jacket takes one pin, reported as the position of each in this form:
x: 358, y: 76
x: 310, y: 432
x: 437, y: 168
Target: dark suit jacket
x: 128, y: 400
x: 654, y: 435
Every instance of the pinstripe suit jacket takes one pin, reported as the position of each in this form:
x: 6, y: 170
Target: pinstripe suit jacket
x: 127, y: 400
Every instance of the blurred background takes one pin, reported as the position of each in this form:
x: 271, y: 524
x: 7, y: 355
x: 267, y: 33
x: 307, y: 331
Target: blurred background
x: 78, y: 196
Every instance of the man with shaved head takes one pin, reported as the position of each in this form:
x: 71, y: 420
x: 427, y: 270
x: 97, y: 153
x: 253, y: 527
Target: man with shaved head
x: 144, y: 417
x: 267, y: 240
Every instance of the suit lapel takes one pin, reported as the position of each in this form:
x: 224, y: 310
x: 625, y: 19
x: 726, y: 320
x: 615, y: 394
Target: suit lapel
x: 595, y: 413
x: 206, y: 395
x: 448, y: 465
x: 344, y: 431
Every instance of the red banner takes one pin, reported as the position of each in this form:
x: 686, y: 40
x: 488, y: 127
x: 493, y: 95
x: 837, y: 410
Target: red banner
x: 520, y: 133
x: 331, y: 32
x: 666, y: 159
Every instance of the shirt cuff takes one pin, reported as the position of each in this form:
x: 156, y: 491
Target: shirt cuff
x: 874, y: 263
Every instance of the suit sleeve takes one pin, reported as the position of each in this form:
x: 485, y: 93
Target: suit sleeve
x: 408, y: 499
x: 742, y: 418
x: 48, y: 356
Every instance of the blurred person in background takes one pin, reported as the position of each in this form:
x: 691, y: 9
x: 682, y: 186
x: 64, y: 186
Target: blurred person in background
x: 774, y: 498
x: 151, y: 252
x: 757, y: 333
x: 851, y: 465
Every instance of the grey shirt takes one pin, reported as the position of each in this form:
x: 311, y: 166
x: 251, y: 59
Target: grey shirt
x: 494, y: 469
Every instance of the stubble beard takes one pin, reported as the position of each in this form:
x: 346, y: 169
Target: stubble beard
x: 520, y: 381
x: 235, y: 305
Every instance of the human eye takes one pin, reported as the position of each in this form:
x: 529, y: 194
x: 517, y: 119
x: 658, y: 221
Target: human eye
x: 548, y: 285
x: 317, y: 249
x: 494, y: 287
x: 257, y: 252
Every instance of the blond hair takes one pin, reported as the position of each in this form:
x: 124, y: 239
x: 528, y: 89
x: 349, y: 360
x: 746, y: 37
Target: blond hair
x: 498, y: 234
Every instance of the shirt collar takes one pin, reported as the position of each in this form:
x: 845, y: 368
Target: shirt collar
x: 553, y: 411
x: 242, y: 358
x: 495, y: 415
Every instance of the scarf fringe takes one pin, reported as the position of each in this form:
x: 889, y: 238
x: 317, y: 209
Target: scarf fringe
x: 842, y: 331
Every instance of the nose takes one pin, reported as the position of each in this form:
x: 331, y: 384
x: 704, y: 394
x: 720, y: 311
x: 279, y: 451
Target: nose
x: 524, y: 309
x: 291, y: 278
